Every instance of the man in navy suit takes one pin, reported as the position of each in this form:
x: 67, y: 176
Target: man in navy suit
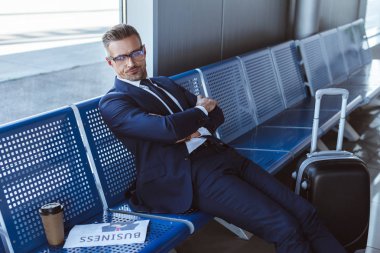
x: 181, y: 165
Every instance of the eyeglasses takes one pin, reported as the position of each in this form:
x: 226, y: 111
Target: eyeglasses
x: 135, y: 55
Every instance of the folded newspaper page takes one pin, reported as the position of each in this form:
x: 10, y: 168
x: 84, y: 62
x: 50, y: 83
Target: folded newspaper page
x: 103, y: 234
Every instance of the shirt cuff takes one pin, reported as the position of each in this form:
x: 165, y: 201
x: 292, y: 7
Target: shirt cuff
x: 204, y: 131
x: 202, y: 109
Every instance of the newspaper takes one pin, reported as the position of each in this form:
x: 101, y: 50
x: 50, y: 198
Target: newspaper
x: 103, y: 234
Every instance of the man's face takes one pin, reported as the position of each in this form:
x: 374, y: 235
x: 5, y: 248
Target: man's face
x: 130, y: 68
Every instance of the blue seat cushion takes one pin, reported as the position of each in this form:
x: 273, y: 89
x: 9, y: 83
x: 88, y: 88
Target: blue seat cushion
x: 366, y: 91
x: 269, y: 160
x: 329, y: 103
x: 162, y: 236
x: 197, y: 218
x: 274, y: 138
x: 298, y: 118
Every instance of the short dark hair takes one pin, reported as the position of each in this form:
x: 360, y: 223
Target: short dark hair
x: 119, y: 32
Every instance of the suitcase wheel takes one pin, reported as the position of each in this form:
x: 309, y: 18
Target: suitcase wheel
x: 304, y: 185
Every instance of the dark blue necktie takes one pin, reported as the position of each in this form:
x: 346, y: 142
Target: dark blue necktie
x: 161, y: 94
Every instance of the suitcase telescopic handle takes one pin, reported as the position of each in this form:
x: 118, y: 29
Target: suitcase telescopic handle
x: 318, y: 97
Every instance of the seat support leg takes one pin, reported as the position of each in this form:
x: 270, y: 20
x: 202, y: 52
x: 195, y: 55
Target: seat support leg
x: 350, y: 133
x: 241, y: 233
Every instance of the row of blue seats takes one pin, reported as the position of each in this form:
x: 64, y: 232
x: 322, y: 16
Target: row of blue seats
x: 51, y: 157
x: 43, y: 159
x: 268, y: 110
x: 283, y: 111
x: 341, y: 58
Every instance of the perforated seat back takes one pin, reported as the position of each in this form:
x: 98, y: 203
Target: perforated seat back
x: 289, y: 73
x: 362, y: 41
x: 263, y: 84
x: 114, y: 164
x: 315, y: 63
x: 336, y: 62
x: 349, y: 48
x: 225, y: 82
x: 190, y: 80
x: 42, y: 160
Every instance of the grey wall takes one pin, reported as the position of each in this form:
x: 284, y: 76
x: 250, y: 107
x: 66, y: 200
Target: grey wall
x: 188, y: 34
x: 252, y: 24
x: 334, y: 13
x: 194, y: 33
x: 184, y: 34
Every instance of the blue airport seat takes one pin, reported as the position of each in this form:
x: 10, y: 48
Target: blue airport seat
x: 318, y: 72
x: 226, y: 83
x: 115, y: 165
x: 291, y: 140
x: 161, y: 238
x: 362, y: 41
x: 370, y: 67
x: 262, y: 83
x: 270, y: 160
x: 296, y: 118
x: 349, y: 48
x: 289, y: 75
x: 275, y: 82
x: 190, y: 80
x: 336, y: 63
x: 367, y: 92
x: 44, y: 160
x: 356, y: 85
x: 315, y: 64
x: 369, y: 73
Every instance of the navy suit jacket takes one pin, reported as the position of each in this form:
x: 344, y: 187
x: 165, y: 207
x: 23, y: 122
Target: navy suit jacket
x: 150, y: 132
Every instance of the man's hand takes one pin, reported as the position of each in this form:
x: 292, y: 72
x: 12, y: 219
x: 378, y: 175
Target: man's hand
x: 193, y: 135
x: 208, y: 103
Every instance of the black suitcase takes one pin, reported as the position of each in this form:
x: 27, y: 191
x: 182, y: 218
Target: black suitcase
x: 337, y: 183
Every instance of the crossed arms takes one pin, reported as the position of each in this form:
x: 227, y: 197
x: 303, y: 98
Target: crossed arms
x: 128, y: 118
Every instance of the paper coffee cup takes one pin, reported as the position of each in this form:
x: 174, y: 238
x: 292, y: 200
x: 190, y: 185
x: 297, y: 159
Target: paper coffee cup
x: 52, y: 220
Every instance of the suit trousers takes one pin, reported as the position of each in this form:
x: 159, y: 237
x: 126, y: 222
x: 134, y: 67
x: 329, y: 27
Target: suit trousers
x: 231, y: 187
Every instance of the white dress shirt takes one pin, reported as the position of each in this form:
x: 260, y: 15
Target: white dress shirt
x: 191, y: 144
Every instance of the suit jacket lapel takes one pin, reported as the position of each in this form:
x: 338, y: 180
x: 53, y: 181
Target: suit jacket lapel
x: 146, y: 100
x: 173, y: 90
